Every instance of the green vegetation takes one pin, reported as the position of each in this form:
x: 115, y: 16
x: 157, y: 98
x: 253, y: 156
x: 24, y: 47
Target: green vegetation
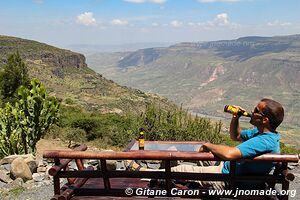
x: 12, y: 76
x: 118, y: 130
x: 16, y: 191
x: 288, y: 149
x: 25, y: 122
x: 99, y: 111
x: 178, y: 124
x: 12, y: 192
x: 205, y: 77
x: 11, y: 44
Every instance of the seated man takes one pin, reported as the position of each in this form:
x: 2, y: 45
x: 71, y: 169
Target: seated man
x: 266, y: 117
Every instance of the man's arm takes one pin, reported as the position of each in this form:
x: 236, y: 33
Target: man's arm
x: 222, y: 151
x: 235, y: 130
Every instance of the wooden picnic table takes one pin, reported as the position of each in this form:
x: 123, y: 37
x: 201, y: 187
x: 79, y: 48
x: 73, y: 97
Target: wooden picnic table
x: 96, y: 184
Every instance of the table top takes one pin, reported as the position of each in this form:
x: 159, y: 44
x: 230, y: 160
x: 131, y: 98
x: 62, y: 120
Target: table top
x: 183, y: 146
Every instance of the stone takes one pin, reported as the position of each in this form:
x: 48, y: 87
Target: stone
x: 6, y: 167
x: 32, y: 166
x: 28, y: 159
x: 47, y: 182
x: 4, y: 176
x: 72, y: 165
x: 29, y: 184
x: 19, y: 169
x: 2, y: 185
x: 38, y: 184
x: 120, y: 165
x: 41, y: 169
x: 16, y: 183
x: 93, y: 162
x: 153, y: 165
x: 43, y: 163
x: 47, y: 176
x: 38, y: 177
x: 292, y: 165
x: 111, y: 165
x: 9, y: 159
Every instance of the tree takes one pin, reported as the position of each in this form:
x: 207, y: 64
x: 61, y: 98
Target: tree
x: 12, y: 76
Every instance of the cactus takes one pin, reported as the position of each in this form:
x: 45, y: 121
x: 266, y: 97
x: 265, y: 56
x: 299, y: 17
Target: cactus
x: 10, y: 132
x: 24, y: 124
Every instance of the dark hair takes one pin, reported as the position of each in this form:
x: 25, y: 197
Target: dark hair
x: 274, y: 111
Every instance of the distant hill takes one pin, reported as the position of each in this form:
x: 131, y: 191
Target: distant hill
x: 205, y: 76
x: 88, y: 49
x: 66, y: 75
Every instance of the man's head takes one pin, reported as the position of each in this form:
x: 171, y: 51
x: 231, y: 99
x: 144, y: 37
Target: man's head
x: 268, y: 113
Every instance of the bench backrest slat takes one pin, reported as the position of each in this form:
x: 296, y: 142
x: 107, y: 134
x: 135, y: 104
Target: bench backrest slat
x: 160, y: 155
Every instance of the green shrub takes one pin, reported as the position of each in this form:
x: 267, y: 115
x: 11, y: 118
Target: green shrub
x: 22, y: 125
x: 106, y: 130
x: 285, y: 149
x: 88, y: 125
x: 12, y: 76
x: 69, y: 101
x: 66, y: 134
x: 119, y: 130
x: 177, y: 125
x: 16, y: 191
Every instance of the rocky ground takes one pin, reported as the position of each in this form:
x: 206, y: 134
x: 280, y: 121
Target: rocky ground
x: 295, y: 185
x: 39, y: 185
x: 26, y: 177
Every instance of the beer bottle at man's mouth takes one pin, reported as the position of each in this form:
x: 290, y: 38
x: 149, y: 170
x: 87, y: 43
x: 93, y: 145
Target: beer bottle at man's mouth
x: 236, y: 111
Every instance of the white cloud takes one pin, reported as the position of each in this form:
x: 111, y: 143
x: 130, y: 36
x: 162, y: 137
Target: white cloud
x: 213, y: 1
x: 176, y: 23
x: 221, y: 19
x: 119, y: 22
x: 279, y: 23
x: 86, y: 19
x: 146, y: 1
x: 155, y: 24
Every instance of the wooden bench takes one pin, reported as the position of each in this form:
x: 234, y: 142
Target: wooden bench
x: 87, y: 183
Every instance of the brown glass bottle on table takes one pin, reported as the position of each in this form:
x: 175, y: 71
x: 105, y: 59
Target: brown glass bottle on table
x: 141, y: 139
x: 236, y: 111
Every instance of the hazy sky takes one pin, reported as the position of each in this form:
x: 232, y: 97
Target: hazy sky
x: 66, y: 22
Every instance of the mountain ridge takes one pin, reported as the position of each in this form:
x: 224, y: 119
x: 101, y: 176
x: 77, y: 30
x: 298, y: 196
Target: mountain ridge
x: 67, y: 76
x: 33, y: 50
x: 252, y: 68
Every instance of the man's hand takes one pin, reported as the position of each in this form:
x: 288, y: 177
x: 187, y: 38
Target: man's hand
x: 238, y: 115
x: 234, y: 129
x: 204, y: 148
x: 222, y: 151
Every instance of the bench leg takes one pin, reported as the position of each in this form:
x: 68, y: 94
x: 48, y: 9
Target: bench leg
x: 56, y: 185
x: 285, y: 183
